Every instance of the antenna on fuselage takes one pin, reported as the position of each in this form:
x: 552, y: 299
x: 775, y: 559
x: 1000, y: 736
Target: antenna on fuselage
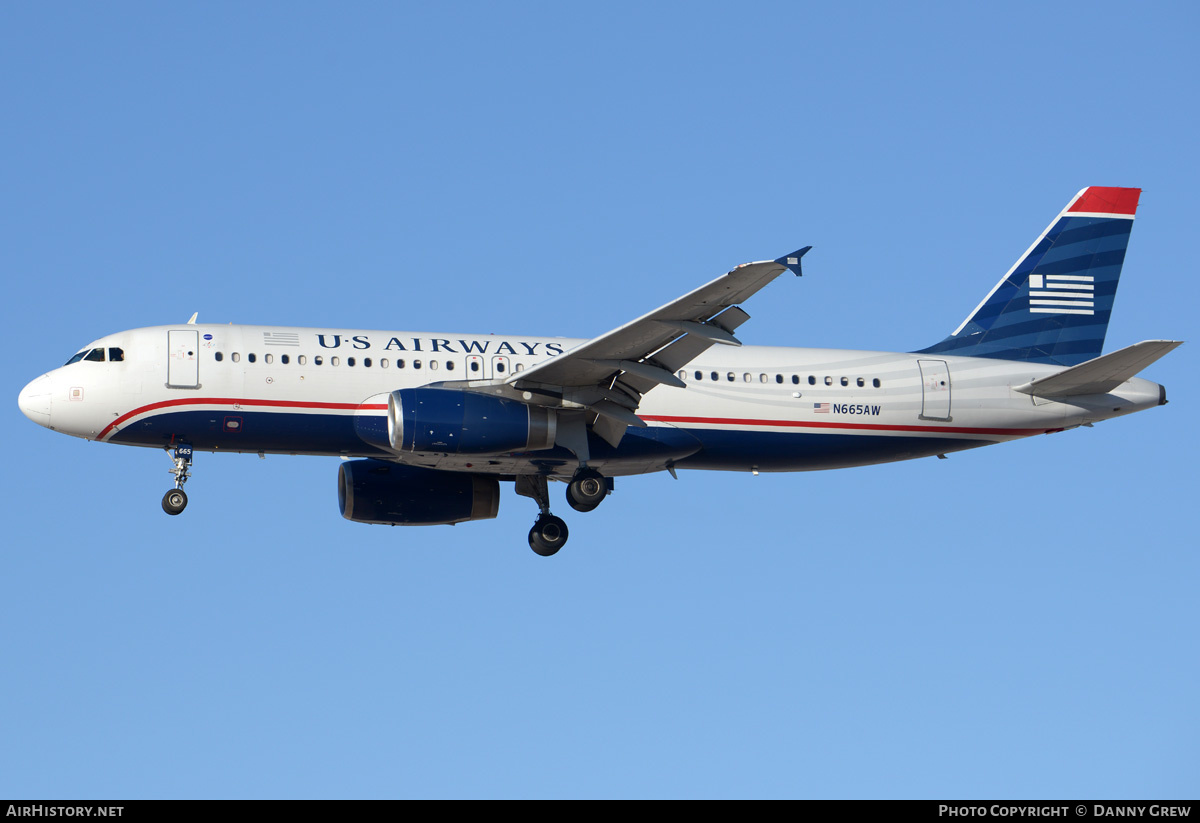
x: 192, y: 320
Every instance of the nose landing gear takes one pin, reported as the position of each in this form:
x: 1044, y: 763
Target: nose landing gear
x: 175, y: 500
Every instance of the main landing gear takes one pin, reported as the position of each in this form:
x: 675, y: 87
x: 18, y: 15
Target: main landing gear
x: 585, y: 492
x: 549, y: 533
x: 175, y: 500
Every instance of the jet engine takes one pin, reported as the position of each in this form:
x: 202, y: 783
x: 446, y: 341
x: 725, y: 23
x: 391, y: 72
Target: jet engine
x: 452, y: 421
x: 374, y: 491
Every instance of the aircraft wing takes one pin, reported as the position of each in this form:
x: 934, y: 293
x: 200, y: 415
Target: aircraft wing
x: 609, y: 374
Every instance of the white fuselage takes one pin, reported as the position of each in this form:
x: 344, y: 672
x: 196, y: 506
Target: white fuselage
x: 320, y: 391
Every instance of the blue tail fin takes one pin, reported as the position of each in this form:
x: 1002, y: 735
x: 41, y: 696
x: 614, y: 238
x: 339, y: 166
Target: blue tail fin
x: 1053, y: 305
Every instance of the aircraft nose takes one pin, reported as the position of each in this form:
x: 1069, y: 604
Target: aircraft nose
x: 34, y: 400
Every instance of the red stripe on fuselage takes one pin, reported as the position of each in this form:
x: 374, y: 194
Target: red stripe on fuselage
x: 233, y: 401
x: 812, y: 424
x: 712, y: 421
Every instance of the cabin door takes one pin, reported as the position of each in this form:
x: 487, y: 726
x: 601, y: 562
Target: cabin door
x: 183, y: 361
x: 935, y: 389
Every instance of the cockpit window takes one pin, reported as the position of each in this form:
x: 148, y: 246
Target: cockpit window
x: 95, y: 355
x: 116, y: 355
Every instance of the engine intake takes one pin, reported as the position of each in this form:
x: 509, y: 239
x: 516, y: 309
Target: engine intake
x: 374, y: 491
x: 453, y: 421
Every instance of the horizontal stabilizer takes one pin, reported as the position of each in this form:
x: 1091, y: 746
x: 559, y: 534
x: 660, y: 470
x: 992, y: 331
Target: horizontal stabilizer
x: 1101, y: 375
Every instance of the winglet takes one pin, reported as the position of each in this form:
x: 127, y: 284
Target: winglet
x: 792, y: 261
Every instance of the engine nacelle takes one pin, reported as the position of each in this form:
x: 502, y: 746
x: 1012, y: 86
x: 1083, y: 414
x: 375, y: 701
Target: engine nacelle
x: 374, y: 491
x: 461, y: 422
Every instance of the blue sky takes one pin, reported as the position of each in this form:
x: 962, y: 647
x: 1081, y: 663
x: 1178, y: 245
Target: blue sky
x: 1017, y: 621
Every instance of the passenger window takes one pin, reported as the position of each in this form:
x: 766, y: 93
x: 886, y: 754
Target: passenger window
x: 95, y: 356
x: 715, y: 376
x: 450, y: 366
x: 828, y: 381
x: 746, y: 378
x: 762, y: 378
x: 499, y: 368
x: 283, y: 358
x: 251, y: 358
x: 399, y: 364
x: 845, y: 381
x: 218, y: 357
x: 730, y: 377
x: 349, y: 361
x: 779, y: 378
x: 318, y: 360
x: 416, y: 364
x: 520, y: 367
x: 876, y: 383
x: 383, y: 364
x: 699, y: 375
x: 812, y: 381
x: 301, y: 359
x: 116, y: 355
x: 682, y: 375
x: 796, y: 379
x: 474, y: 365
x: 268, y: 359
x: 861, y: 382
x: 433, y: 364
x: 335, y: 361
x: 366, y: 362
x: 235, y: 357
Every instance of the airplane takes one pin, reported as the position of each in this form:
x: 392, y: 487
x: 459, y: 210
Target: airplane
x: 428, y: 424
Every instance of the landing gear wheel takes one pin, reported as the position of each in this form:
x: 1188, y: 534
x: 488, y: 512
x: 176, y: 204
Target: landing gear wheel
x: 174, y: 501
x: 586, y: 490
x: 548, y: 535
